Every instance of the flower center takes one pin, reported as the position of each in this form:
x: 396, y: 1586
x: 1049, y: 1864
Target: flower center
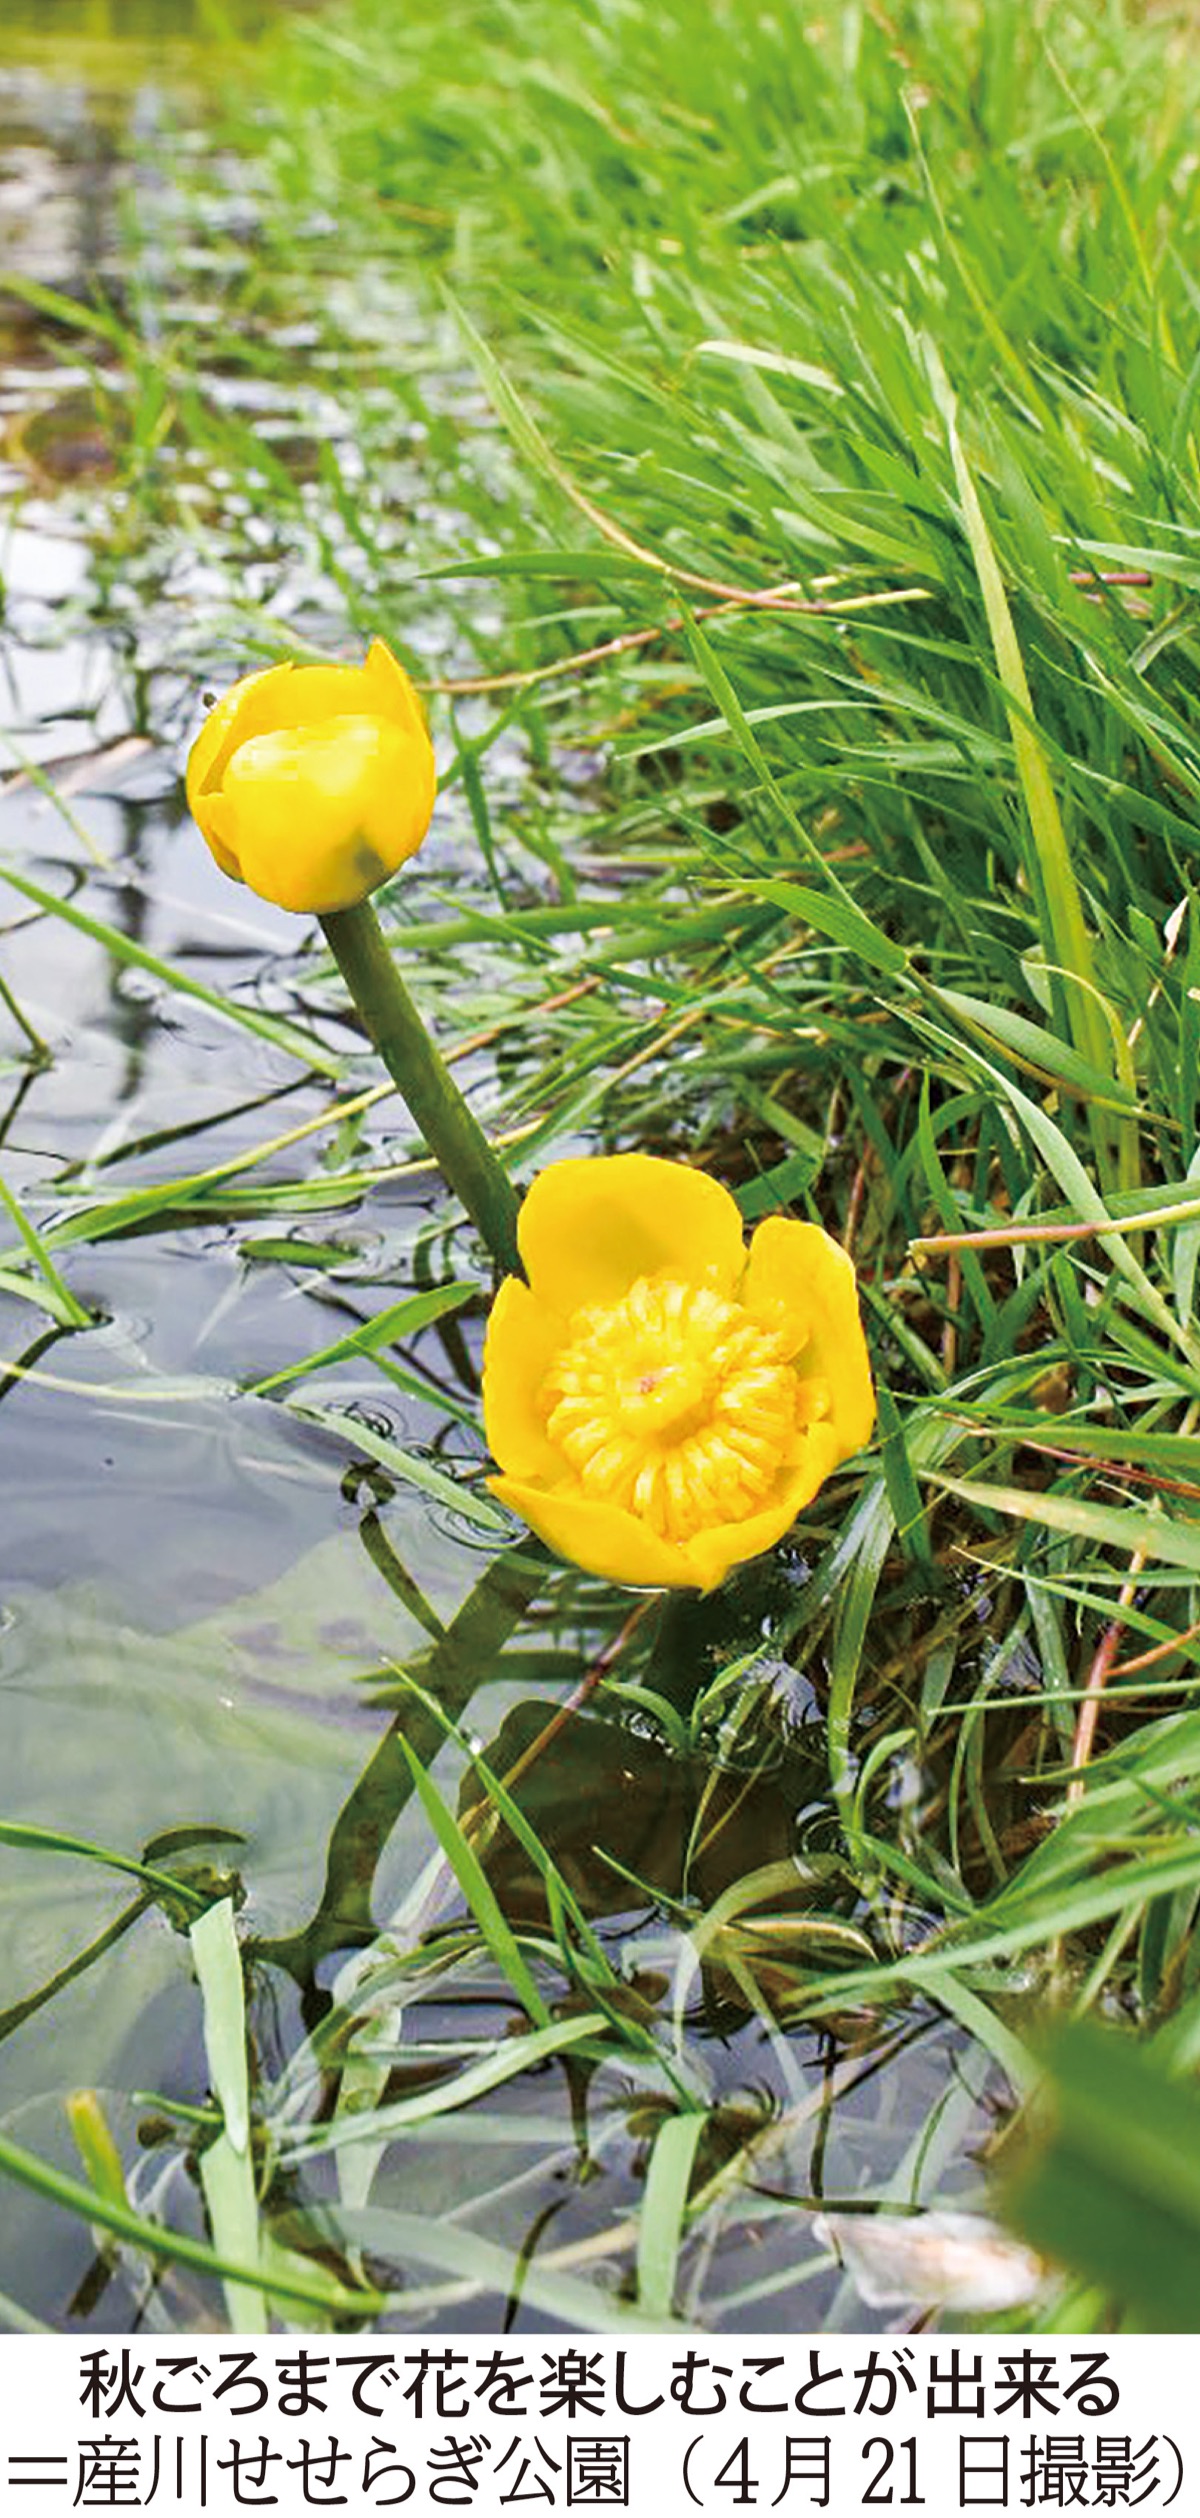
x: 675, y: 1404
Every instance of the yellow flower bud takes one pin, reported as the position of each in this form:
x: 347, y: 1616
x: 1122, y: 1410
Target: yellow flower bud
x: 313, y: 783
x: 661, y: 1400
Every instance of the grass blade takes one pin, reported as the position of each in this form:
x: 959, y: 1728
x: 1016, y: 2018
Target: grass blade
x: 664, y: 2208
x: 226, y: 2167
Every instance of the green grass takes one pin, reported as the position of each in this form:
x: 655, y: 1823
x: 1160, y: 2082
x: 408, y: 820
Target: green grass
x: 781, y: 432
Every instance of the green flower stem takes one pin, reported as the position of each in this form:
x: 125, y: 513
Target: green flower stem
x: 454, y: 1138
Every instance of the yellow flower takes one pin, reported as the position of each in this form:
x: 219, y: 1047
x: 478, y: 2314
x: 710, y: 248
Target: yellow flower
x: 312, y: 783
x: 663, y: 1402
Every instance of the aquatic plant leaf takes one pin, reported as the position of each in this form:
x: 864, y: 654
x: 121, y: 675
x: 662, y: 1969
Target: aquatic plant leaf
x: 219, y: 1970
x: 226, y: 2167
x: 664, y: 2207
x: 403, y: 1464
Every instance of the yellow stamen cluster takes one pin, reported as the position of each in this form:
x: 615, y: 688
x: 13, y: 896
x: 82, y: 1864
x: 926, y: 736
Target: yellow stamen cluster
x: 676, y: 1405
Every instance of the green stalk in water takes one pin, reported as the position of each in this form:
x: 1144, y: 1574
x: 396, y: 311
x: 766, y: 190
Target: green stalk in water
x: 453, y: 1135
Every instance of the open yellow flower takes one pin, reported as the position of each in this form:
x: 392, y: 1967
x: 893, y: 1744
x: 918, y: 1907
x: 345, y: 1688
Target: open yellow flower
x: 661, y: 1401
x: 313, y: 783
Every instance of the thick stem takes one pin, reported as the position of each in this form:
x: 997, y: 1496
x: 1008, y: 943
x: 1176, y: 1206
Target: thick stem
x: 454, y: 1138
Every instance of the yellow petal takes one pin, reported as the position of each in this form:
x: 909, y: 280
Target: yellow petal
x: 589, y: 1228
x: 600, y: 1537
x: 796, y: 1274
x: 301, y: 695
x: 523, y: 1339
x: 313, y: 783
x: 713, y: 1552
x: 398, y: 816
x: 391, y: 691
x: 217, y: 823
x: 217, y: 738
x: 319, y: 815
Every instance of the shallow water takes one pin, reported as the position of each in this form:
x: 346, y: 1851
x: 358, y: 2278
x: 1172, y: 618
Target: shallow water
x: 137, y: 1696
x: 194, y: 1580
